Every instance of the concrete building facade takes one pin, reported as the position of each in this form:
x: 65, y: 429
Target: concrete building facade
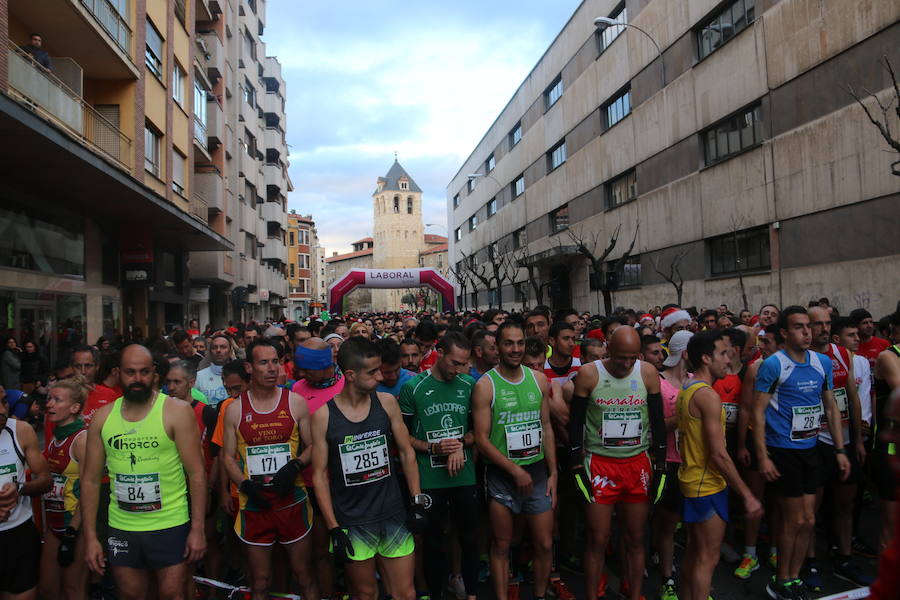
x: 303, y: 270
x: 739, y: 155
x: 242, y: 175
x: 98, y: 203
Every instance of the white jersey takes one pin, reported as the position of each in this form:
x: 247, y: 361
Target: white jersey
x: 862, y: 373
x: 209, y: 381
x: 12, y: 470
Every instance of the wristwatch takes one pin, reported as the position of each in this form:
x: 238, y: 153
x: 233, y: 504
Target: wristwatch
x: 840, y: 451
x: 422, y: 500
x: 19, y: 489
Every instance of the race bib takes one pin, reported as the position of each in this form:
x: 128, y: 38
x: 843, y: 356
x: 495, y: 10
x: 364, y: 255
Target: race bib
x: 731, y: 413
x: 621, y: 428
x: 843, y: 402
x: 365, y: 461
x: 433, y: 437
x: 524, y: 439
x: 138, y: 493
x: 54, y: 500
x: 805, y: 422
x: 8, y: 474
x: 264, y: 461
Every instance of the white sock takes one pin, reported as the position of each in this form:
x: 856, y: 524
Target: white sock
x: 751, y: 550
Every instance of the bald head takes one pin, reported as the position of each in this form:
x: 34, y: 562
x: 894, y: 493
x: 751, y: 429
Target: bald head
x: 819, y: 327
x: 137, y: 375
x: 316, y: 343
x: 624, y: 340
x: 136, y: 353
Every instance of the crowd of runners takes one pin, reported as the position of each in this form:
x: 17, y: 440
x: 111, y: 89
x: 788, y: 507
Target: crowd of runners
x: 409, y: 456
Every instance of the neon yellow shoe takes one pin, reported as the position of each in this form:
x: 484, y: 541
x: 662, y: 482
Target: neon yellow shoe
x: 773, y: 561
x: 748, y: 565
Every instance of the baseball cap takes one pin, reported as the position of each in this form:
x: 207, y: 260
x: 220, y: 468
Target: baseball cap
x: 677, y: 345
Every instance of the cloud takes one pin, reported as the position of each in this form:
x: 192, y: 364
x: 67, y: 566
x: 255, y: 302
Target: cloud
x: 423, y: 79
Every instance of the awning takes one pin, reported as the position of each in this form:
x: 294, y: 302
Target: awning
x: 550, y: 256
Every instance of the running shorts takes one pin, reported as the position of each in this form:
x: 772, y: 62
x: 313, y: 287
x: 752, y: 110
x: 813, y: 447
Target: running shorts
x: 388, y: 538
x: 21, y: 558
x: 147, y: 549
x: 883, y: 474
x: 702, y: 508
x: 672, y: 498
x: 799, y: 468
x: 265, y: 527
x: 501, y: 488
x: 615, y: 480
x: 828, y: 466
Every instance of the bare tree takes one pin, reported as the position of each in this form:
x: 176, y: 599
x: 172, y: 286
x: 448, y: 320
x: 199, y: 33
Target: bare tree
x: 461, y: 276
x: 587, y: 247
x: 884, y: 123
x: 502, y: 270
x: 673, y: 273
x: 736, y: 223
x: 478, y: 273
x: 521, y: 259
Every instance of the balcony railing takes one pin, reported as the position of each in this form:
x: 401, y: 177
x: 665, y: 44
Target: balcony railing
x: 200, y: 132
x: 112, y: 21
x: 47, y: 95
x: 199, y: 208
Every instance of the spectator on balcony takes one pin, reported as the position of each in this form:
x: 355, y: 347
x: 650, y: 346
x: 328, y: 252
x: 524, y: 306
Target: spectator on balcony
x: 37, y: 53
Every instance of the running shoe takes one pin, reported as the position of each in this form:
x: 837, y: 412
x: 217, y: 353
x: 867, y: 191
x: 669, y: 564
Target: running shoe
x: 667, y: 590
x: 512, y: 592
x: 863, y: 549
x: 811, y: 577
x: 799, y: 590
x: 601, y: 586
x: 624, y: 588
x: 749, y: 564
x: 772, y: 561
x: 456, y: 585
x: 559, y: 590
x: 728, y: 554
x: 852, y: 573
x: 779, y: 591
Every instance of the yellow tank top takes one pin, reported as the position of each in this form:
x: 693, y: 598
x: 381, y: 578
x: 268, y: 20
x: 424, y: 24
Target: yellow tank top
x: 697, y: 475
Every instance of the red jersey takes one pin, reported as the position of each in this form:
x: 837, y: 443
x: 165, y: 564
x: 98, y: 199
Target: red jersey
x: 840, y: 373
x: 428, y: 361
x: 562, y: 374
x: 872, y: 348
x: 729, y: 390
x: 206, y: 421
x: 61, y: 501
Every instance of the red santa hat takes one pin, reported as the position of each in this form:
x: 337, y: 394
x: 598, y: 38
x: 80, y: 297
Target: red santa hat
x: 672, y: 315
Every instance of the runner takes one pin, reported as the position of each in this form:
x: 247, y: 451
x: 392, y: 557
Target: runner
x: 147, y: 442
x: 884, y: 452
x: 484, y: 353
x: 668, y: 510
x: 410, y: 355
x: 63, y: 570
x: 561, y: 366
x: 793, y: 389
x: 616, y: 406
x: 514, y: 433
x: 537, y: 324
x: 265, y: 447
x: 426, y: 334
x: 436, y: 408
x: 356, y: 488
x: 209, y: 380
x: 842, y: 489
x: 870, y: 345
x: 394, y: 377
x: 706, y: 468
x: 671, y: 320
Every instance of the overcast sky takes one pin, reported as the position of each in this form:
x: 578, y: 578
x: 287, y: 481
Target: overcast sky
x: 425, y: 79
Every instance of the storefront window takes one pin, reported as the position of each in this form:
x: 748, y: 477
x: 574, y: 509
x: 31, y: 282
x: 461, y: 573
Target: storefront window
x: 112, y: 317
x: 40, y: 240
x: 70, y: 322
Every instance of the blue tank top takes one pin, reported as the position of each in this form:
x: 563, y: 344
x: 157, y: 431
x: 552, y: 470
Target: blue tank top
x: 795, y: 410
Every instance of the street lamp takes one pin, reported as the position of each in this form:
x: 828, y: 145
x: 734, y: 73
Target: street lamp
x: 603, y: 23
x: 474, y: 176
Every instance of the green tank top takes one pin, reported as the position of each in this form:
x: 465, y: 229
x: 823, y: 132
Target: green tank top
x: 617, y: 423
x: 147, y: 483
x: 516, y: 417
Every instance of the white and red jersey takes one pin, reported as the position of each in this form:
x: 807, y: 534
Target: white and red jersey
x: 562, y: 374
x: 840, y: 373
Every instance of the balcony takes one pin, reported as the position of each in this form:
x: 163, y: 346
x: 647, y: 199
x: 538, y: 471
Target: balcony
x: 273, y: 137
x: 248, y: 218
x: 48, y: 96
x: 210, y: 186
x: 92, y: 32
x: 215, y: 124
x: 200, y: 134
x: 215, y: 62
x: 273, y: 175
x: 204, y: 12
x: 211, y: 267
x: 198, y: 207
x: 272, y: 103
x: 273, y: 212
x: 274, y: 250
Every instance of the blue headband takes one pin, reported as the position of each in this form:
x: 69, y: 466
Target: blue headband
x: 307, y: 358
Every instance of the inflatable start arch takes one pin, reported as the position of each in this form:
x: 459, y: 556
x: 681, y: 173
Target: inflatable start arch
x: 389, y: 279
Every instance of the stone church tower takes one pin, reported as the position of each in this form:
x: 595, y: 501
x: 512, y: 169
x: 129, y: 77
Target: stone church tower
x: 398, y: 230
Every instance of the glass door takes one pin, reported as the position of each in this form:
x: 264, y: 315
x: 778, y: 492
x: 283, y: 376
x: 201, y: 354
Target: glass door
x: 36, y: 323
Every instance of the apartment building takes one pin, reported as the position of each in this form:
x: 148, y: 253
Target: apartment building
x: 734, y: 153
x: 303, y: 266
x: 242, y: 175
x: 98, y: 206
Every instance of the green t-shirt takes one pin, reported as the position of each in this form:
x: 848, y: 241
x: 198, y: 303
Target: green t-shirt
x: 439, y: 410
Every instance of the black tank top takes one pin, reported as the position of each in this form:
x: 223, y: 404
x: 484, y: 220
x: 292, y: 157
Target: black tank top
x: 882, y: 394
x: 363, y: 488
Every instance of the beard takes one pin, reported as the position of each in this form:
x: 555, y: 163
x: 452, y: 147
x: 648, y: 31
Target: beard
x: 137, y: 392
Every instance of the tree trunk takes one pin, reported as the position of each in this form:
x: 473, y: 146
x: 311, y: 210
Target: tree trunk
x: 679, y: 291
x: 607, y: 300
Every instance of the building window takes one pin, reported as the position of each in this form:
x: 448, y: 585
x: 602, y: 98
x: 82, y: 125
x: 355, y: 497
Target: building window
x: 251, y: 44
x: 290, y: 238
x: 41, y: 239
x: 178, y: 172
x: 303, y: 261
x: 743, y: 251
x: 151, y: 150
x: 471, y: 184
x: 250, y: 145
x: 404, y: 185
x: 154, y: 52
x: 178, y: 76
x: 517, y: 187
x: 456, y: 201
x: 515, y: 136
x: 629, y: 273
x: 473, y: 222
x: 396, y: 205
x: 492, y: 207
x: 553, y: 92
x: 409, y: 205
x: 726, y: 23
x: 200, y: 113
x: 617, y: 108
x: 556, y: 156
x: 457, y: 234
x: 732, y: 135
x: 609, y: 34
x: 293, y: 273
x: 304, y: 237
x: 622, y: 189
x: 249, y: 93
x: 559, y: 219
x: 520, y: 238
x: 490, y: 163
x: 304, y: 286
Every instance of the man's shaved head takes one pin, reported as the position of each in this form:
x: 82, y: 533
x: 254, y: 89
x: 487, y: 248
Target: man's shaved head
x: 136, y: 353
x: 624, y: 340
x: 316, y: 343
